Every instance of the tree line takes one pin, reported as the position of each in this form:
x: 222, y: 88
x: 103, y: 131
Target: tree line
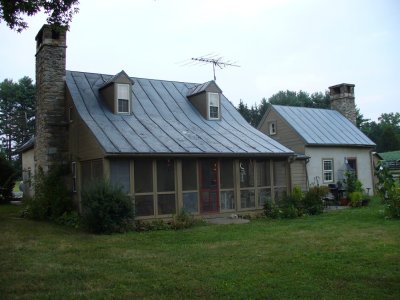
x: 385, y: 133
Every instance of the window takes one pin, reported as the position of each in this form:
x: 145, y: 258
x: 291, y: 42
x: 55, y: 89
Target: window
x: 327, y: 170
x: 70, y: 114
x: 213, y: 105
x: 123, y: 98
x: 73, y: 165
x: 272, y: 128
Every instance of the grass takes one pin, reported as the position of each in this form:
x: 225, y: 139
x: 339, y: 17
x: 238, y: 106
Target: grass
x: 348, y: 254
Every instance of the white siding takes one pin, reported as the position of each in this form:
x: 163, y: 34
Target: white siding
x: 338, y: 154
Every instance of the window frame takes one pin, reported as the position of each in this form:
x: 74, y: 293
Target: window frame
x: 121, y: 97
x: 328, y: 171
x: 272, y: 128
x: 209, y: 106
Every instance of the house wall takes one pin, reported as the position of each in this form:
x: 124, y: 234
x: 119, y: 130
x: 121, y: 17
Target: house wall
x: 298, y: 174
x: 108, y: 97
x: 285, y: 134
x: 200, y: 102
x: 339, y: 154
x: 28, y: 170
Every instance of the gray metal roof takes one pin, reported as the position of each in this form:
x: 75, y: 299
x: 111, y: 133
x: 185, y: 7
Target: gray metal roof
x: 163, y: 121
x: 197, y: 89
x: 323, y: 126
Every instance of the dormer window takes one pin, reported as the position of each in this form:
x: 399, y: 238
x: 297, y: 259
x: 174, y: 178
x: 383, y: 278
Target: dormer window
x: 123, y: 98
x: 116, y: 93
x: 213, y: 106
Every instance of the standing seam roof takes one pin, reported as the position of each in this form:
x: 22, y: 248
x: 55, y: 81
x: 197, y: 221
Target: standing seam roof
x: 323, y: 126
x: 164, y: 121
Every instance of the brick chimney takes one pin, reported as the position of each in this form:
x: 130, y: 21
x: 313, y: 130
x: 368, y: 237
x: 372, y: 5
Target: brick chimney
x: 342, y: 100
x: 51, y: 131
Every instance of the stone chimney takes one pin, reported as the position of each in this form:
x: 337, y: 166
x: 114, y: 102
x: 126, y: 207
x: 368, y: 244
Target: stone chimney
x: 342, y: 100
x: 51, y: 130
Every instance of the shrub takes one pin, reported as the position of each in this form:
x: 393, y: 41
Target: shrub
x: 312, y: 201
x: 70, y: 219
x: 182, y: 220
x: 106, y: 208
x: 51, y: 199
x: 355, y: 199
x: 271, y: 210
x: 8, y: 175
x: 353, y: 184
x: 389, y: 190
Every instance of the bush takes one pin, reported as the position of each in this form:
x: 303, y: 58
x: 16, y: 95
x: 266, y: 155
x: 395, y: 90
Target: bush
x: 106, y: 208
x: 355, y: 199
x: 289, y: 207
x: 8, y: 175
x: 312, y: 201
x: 389, y: 190
x: 352, y: 183
x: 51, y: 199
x: 182, y: 220
x: 271, y: 210
x: 70, y: 219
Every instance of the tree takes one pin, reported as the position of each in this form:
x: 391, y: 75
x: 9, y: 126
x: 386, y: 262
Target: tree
x: 17, y: 114
x: 59, y: 12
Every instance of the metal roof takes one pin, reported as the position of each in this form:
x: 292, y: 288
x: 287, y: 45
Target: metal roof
x: 323, y: 126
x: 163, y: 121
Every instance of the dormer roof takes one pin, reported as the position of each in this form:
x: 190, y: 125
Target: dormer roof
x: 209, y: 86
x: 116, y: 78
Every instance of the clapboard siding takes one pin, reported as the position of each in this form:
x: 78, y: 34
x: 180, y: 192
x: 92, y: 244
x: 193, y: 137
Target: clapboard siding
x: 284, y: 133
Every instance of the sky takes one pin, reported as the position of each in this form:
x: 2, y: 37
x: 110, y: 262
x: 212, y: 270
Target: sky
x: 279, y: 45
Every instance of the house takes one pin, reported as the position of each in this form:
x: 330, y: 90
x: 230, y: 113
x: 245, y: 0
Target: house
x: 170, y: 145
x: 28, y: 166
x: 327, y: 138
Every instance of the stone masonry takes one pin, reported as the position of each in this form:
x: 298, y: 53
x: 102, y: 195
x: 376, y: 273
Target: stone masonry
x: 51, y: 130
x: 342, y: 100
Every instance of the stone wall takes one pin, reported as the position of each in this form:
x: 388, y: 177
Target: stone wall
x: 51, y: 127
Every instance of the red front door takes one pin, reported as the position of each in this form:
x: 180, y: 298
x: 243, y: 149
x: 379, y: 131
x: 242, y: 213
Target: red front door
x: 209, y: 186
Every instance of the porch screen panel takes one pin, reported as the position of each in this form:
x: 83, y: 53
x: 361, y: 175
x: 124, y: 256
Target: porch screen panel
x: 227, y: 195
x: 166, y: 202
x: 143, y: 176
x: 120, y: 173
x: 190, y: 186
x: 263, y: 182
x: 165, y: 175
x: 144, y: 205
x: 247, y: 189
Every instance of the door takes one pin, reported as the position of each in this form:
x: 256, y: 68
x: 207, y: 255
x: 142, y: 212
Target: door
x: 209, y: 186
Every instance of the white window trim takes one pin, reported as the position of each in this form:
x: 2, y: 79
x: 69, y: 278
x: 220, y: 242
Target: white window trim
x: 209, y: 106
x: 327, y: 171
x: 270, y: 126
x: 117, y: 97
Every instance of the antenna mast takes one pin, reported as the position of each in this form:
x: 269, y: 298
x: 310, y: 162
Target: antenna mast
x: 215, y: 61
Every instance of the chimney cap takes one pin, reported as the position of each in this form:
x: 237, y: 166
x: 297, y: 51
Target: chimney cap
x: 342, y: 84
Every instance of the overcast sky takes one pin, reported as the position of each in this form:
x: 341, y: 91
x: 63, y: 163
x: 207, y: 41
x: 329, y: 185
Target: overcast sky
x: 304, y: 45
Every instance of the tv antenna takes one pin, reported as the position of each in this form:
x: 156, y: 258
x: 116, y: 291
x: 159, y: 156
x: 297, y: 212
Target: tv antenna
x: 214, y: 59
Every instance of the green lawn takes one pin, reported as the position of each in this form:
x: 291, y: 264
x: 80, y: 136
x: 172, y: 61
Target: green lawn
x: 348, y: 254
